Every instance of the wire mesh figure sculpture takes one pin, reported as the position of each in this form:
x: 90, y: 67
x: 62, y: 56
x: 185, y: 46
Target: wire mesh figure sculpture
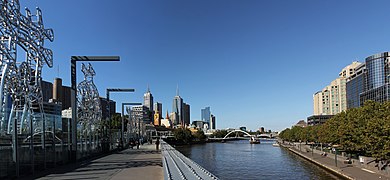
x: 89, y: 113
x: 21, y: 81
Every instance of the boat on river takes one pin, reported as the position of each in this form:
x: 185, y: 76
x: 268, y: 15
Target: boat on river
x: 254, y: 140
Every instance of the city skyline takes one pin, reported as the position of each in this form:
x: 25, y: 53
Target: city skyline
x: 253, y: 66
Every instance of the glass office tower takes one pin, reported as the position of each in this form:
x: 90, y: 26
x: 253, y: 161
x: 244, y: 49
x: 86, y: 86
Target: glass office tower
x: 377, y: 78
x: 356, y: 86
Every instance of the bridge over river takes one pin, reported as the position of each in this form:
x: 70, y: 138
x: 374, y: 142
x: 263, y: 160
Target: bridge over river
x: 246, y: 136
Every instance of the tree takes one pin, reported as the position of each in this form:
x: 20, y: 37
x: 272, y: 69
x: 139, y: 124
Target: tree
x: 199, y: 136
x: 219, y: 134
x: 183, y: 135
x: 329, y: 131
x: 364, y: 130
x: 377, y: 138
x: 116, y: 121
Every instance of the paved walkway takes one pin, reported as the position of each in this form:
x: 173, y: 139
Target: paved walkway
x: 144, y: 163
x: 348, y: 171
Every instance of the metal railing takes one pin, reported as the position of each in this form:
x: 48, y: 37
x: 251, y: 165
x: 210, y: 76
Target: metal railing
x: 177, y: 166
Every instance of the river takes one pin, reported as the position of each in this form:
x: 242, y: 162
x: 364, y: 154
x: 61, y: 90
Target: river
x: 241, y: 160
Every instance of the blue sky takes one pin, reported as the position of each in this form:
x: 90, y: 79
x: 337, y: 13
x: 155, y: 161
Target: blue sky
x: 255, y: 62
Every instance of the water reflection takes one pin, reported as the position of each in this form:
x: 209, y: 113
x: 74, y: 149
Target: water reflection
x: 241, y: 160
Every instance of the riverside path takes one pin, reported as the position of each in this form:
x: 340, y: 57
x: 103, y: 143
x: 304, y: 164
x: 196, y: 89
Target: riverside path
x: 143, y: 163
x: 347, y: 171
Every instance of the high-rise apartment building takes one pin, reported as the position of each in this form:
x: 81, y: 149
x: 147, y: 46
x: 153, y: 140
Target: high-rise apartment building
x: 333, y: 99
x: 349, y: 70
x: 148, y: 100
x: 319, y: 102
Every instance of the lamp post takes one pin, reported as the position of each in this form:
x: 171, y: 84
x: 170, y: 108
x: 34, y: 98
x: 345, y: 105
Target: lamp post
x: 335, y: 155
x: 123, y: 114
x: 107, y: 144
x: 312, y: 149
x: 73, y: 70
x: 300, y: 149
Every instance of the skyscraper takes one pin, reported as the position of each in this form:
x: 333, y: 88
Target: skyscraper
x: 177, y: 108
x: 174, y: 118
x: 377, y: 78
x: 148, y: 100
x: 205, y: 115
x: 104, y: 107
x: 186, y: 114
x: 157, y: 118
x: 213, y: 124
x: 158, y: 107
x: 356, y: 86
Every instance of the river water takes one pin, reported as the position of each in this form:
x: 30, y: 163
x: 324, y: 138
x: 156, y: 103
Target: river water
x: 241, y: 160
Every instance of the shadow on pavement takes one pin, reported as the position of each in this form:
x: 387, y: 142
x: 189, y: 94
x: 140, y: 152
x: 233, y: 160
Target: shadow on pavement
x: 103, y: 166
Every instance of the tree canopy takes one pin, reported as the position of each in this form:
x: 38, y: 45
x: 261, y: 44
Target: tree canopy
x: 364, y: 130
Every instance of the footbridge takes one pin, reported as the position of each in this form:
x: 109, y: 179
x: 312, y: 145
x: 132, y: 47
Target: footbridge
x: 236, y: 131
x: 264, y: 136
x: 229, y: 137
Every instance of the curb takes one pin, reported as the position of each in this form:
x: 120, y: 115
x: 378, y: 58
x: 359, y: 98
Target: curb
x: 322, y: 165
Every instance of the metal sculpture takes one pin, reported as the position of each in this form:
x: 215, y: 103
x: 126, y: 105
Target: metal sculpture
x: 21, y: 81
x: 89, y: 113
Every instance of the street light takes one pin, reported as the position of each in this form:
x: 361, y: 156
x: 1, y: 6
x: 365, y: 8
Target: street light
x: 312, y: 149
x: 123, y: 114
x: 73, y: 70
x: 108, y: 90
x: 335, y: 153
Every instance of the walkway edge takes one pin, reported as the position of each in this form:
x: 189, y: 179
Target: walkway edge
x: 320, y: 164
x: 178, y: 166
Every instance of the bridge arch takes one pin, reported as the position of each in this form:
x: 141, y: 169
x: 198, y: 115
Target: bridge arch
x: 265, y: 136
x: 237, y: 130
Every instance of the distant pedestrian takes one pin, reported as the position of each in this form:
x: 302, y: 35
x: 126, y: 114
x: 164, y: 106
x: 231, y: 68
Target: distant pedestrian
x: 137, y: 143
x: 157, y: 143
x: 132, y: 144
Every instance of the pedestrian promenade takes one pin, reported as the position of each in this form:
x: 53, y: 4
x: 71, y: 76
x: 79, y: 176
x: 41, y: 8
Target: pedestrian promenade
x: 348, y: 171
x: 144, y: 163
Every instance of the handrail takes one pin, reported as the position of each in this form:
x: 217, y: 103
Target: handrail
x: 178, y: 166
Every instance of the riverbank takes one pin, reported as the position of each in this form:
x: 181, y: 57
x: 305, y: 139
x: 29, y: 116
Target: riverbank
x: 341, y: 169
